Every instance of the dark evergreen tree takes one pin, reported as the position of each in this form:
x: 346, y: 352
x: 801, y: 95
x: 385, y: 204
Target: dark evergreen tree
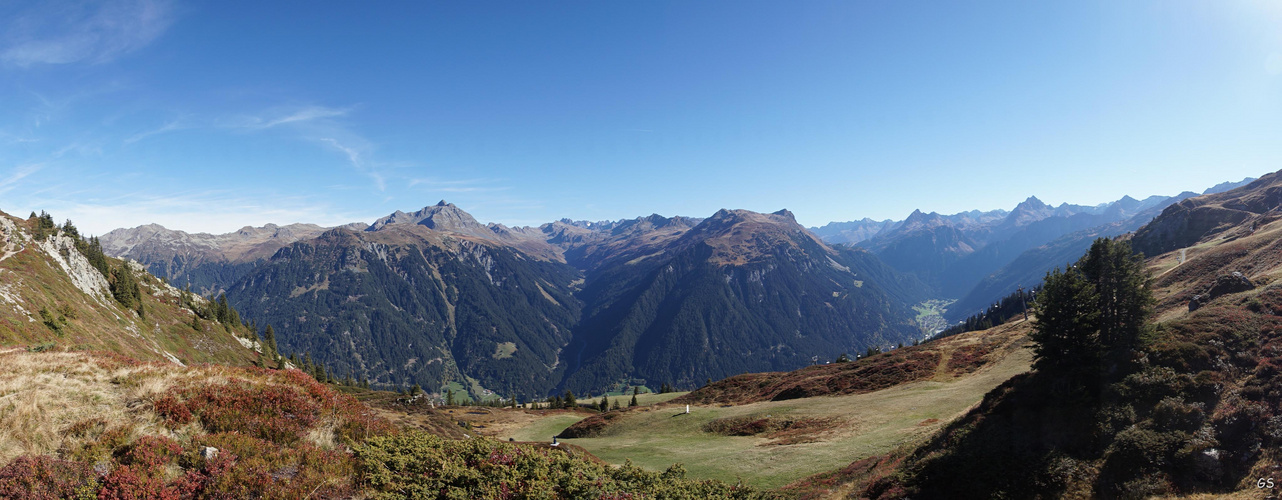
x: 1091, y: 311
x: 569, y: 400
x: 1121, y: 287
x: 1066, y: 332
x: 269, y: 339
x: 124, y: 287
x: 635, y: 391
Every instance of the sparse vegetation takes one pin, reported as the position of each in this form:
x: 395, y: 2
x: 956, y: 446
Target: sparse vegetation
x: 419, y: 465
x: 280, y: 433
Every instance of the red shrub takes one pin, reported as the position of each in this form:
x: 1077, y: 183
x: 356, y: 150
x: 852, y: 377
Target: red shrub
x: 276, y: 413
x: 129, y: 482
x: 967, y: 359
x: 44, y: 478
x: 261, y: 469
x: 280, y: 411
x: 151, y: 452
x: 173, y: 411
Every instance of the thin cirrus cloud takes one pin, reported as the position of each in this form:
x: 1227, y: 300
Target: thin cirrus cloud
x: 168, y: 127
x: 278, y: 117
x: 356, y: 155
x: 320, y: 124
x: 82, y: 32
x: 14, y: 179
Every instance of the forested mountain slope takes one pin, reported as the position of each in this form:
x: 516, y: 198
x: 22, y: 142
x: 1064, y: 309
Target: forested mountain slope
x: 739, y: 292
x: 407, y: 305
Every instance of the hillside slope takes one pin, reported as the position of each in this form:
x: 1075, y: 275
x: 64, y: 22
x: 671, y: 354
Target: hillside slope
x: 52, y: 297
x: 740, y: 429
x: 1197, y: 408
x: 1197, y: 219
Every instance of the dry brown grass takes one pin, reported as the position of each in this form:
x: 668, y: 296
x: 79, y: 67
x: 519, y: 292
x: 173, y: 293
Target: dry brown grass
x: 53, y: 402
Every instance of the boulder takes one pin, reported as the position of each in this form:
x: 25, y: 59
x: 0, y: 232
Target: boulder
x: 1224, y: 284
x: 208, y: 452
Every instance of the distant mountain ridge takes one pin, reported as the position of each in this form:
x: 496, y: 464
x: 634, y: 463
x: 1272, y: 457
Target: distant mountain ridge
x: 434, y: 296
x: 965, y: 255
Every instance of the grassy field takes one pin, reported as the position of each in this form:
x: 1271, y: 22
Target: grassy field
x: 866, y: 425
x: 544, y: 428
x: 643, y: 399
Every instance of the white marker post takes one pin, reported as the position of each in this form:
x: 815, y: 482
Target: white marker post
x: 687, y: 409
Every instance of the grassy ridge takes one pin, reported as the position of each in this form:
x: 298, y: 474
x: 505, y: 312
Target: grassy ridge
x: 856, y: 425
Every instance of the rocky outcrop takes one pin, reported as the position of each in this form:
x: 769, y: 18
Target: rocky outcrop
x: 62, y: 250
x: 1226, y: 284
x: 1201, y: 218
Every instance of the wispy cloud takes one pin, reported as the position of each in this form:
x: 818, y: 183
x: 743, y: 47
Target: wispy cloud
x: 90, y: 32
x: 356, y: 157
x: 15, y: 176
x: 284, y: 116
x: 322, y: 125
x: 16, y: 139
x: 168, y: 127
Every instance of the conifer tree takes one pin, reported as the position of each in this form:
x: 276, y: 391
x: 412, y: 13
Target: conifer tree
x: 569, y: 400
x: 1122, y: 294
x: 1089, y: 311
x: 1066, y: 334
x: 124, y: 287
x: 269, y: 339
x: 635, y: 391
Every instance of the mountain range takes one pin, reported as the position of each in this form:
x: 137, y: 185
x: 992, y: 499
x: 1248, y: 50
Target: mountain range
x: 977, y: 257
x: 434, y: 297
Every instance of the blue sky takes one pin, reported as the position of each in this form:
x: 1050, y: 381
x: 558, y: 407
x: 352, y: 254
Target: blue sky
x: 211, y: 116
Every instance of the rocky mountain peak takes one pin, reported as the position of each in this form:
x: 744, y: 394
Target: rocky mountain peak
x: 1027, y: 212
x: 443, y: 216
x: 1031, y: 204
x: 919, y: 219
